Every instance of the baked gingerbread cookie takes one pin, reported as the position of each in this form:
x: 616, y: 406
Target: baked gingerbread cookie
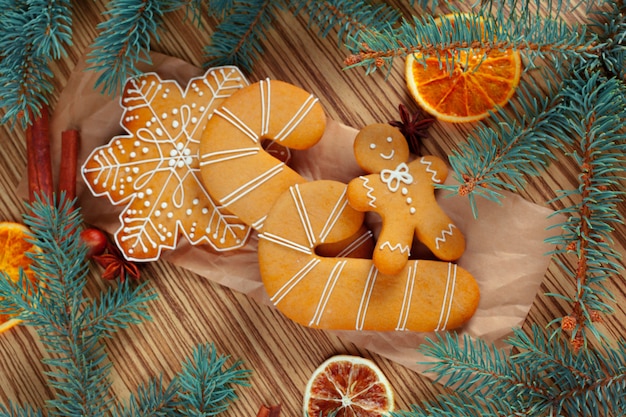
x: 154, y: 170
x: 235, y: 168
x: 402, y: 193
x: 343, y: 293
x: 247, y: 178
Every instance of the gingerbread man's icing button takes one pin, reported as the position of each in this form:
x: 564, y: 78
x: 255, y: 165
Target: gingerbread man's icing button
x: 403, y: 194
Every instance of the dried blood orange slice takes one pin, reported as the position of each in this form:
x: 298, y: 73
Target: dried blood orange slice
x: 348, y: 386
x: 479, y: 81
x: 14, y: 248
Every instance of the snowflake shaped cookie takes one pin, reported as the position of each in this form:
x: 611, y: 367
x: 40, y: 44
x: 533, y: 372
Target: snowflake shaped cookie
x: 154, y: 169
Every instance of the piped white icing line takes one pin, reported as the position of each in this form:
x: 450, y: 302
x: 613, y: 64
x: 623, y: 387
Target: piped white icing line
x: 266, y: 105
x: 285, y: 242
x: 448, y: 298
x: 327, y: 292
x: 429, y: 169
x: 408, y: 295
x: 227, y: 155
x: 166, y: 143
x: 394, y: 177
x: 334, y: 215
x: 294, y: 280
x: 252, y: 185
x: 238, y: 123
x: 388, y: 157
x: 303, y: 214
x: 444, y: 232
x: 370, y: 191
x: 302, y: 112
x: 366, y: 297
x: 357, y: 243
x: 398, y: 246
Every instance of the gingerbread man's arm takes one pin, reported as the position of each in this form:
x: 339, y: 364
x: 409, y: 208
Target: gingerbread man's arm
x: 361, y: 193
x: 435, y: 167
x: 434, y: 228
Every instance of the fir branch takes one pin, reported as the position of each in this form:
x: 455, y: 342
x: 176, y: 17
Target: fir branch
x: 350, y: 17
x: 124, y: 39
x: 207, y: 386
x: 152, y: 399
x: 237, y: 39
x: 536, y: 37
x: 512, y: 144
x: 119, y: 307
x: 78, y: 362
x: 544, y: 377
x: 24, y: 73
x: 204, y: 387
x: 611, y: 28
x: 51, y: 27
x: 218, y: 8
x: 71, y: 327
x: 595, y: 108
x: 14, y: 410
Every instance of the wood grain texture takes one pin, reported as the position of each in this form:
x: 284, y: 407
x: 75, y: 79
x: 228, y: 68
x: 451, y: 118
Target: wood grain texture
x: 191, y: 309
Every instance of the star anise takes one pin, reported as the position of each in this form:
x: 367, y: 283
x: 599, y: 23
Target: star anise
x: 115, y: 265
x: 413, y: 127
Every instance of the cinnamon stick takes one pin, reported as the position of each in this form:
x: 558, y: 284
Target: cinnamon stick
x: 70, y: 143
x: 38, y: 157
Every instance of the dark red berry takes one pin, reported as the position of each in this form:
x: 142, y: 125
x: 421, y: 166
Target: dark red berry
x: 96, y: 240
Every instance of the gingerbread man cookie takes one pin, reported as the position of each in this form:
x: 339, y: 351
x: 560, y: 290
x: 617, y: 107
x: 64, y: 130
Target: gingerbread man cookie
x: 402, y: 193
x: 343, y: 293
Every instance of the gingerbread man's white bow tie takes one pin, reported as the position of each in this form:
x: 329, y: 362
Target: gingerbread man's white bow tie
x: 394, y: 177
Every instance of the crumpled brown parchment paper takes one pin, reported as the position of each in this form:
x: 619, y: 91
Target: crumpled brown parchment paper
x: 505, y: 246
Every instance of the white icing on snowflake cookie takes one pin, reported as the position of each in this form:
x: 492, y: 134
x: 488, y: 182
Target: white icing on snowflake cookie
x: 154, y: 170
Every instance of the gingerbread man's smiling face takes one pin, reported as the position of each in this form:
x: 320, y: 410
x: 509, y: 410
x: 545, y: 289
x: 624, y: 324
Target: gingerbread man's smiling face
x: 379, y: 147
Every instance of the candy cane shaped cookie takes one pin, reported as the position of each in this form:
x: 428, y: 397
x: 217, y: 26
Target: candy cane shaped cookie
x: 346, y: 293
x: 235, y: 169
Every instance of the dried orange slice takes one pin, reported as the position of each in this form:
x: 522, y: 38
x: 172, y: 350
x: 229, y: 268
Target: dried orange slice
x: 348, y: 386
x: 13, y: 256
x: 478, y: 82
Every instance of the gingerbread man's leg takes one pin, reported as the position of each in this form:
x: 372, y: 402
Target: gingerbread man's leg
x: 393, y: 246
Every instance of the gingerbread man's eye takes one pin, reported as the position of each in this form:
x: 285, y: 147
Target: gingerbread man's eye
x: 372, y: 146
x: 389, y: 139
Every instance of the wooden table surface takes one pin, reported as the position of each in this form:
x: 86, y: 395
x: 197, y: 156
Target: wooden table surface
x: 192, y: 309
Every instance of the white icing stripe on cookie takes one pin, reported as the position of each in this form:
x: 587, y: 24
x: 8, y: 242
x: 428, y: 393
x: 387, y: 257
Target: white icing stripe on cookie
x: 252, y: 184
x: 429, y: 169
x: 227, y: 155
x: 334, y: 216
x: 265, y: 105
x: 446, y: 304
x: 238, y: 123
x: 370, y: 191
x: 397, y: 246
x: 140, y: 96
x: 293, y: 281
x: 286, y: 243
x: 257, y: 225
x: 327, y: 292
x: 444, y: 232
x: 356, y: 244
x: 303, y: 214
x: 365, y: 297
x: 408, y: 295
x: 297, y: 118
